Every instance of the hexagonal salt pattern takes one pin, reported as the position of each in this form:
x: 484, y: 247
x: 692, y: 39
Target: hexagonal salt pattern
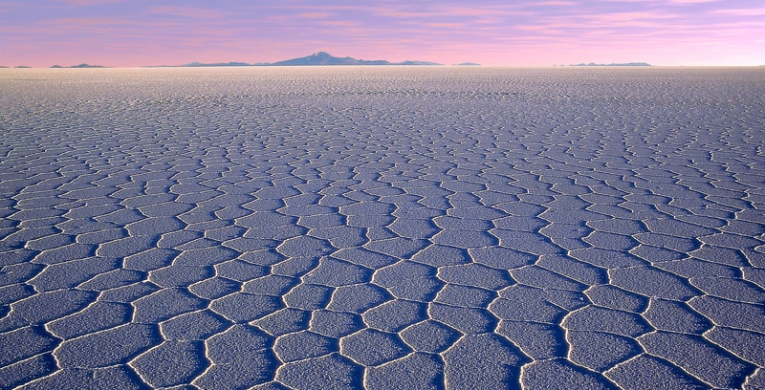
x: 382, y: 228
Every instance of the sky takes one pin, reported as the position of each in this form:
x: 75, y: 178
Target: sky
x: 132, y: 33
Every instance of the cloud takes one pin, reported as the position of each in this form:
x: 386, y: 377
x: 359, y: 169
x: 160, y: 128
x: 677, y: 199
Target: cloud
x: 7, y: 7
x: 663, y: 1
x: 314, y: 15
x: 630, y: 16
x: 186, y: 12
x: 742, y: 11
x: 486, y: 31
x: 88, y: 2
x: 564, y: 3
x: 340, y: 23
x: 692, y: 1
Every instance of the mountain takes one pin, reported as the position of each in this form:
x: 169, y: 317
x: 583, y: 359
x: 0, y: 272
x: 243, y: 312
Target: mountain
x: 80, y: 66
x: 407, y: 62
x: 85, y: 66
x: 624, y: 64
x: 323, y: 58
x: 468, y: 64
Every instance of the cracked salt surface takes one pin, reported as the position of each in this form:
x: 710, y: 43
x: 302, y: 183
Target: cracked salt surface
x: 382, y: 228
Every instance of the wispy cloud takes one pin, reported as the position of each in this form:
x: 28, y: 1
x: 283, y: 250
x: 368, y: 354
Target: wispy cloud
x: 692, y: 1
x: 742, y: 12
x: 88, y: 2
x: 448, y: 31
x: 186, y: 12
x: 314, y: 15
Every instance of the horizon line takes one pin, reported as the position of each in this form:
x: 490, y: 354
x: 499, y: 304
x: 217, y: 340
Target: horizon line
x: 214, y: 65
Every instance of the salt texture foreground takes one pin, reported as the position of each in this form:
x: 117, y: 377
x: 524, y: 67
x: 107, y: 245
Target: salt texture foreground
x: 314, y: 228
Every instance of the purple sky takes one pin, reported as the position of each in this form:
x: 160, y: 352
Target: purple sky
x: 126, y: 33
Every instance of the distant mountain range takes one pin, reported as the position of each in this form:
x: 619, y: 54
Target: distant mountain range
x: 324, y: 58
x: 80, y: 66
x: 321, y: 58
x: 623, y: 64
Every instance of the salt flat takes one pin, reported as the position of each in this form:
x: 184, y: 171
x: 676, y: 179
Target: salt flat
x: 382, y: 227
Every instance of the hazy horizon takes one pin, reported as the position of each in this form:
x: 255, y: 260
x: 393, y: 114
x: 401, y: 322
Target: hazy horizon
x: 468, y: 64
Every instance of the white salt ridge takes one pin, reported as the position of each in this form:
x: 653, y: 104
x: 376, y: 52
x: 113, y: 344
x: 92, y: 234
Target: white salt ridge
x: 393, y: 227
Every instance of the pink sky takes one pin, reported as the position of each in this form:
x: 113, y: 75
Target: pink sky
x: 124, y: 33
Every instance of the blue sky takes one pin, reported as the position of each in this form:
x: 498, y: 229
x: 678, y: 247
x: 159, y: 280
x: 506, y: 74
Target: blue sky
x: 517, y: 33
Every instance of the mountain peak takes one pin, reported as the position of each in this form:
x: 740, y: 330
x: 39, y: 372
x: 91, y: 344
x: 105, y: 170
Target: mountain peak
x: 321, y: 58
x: 324, y: 58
